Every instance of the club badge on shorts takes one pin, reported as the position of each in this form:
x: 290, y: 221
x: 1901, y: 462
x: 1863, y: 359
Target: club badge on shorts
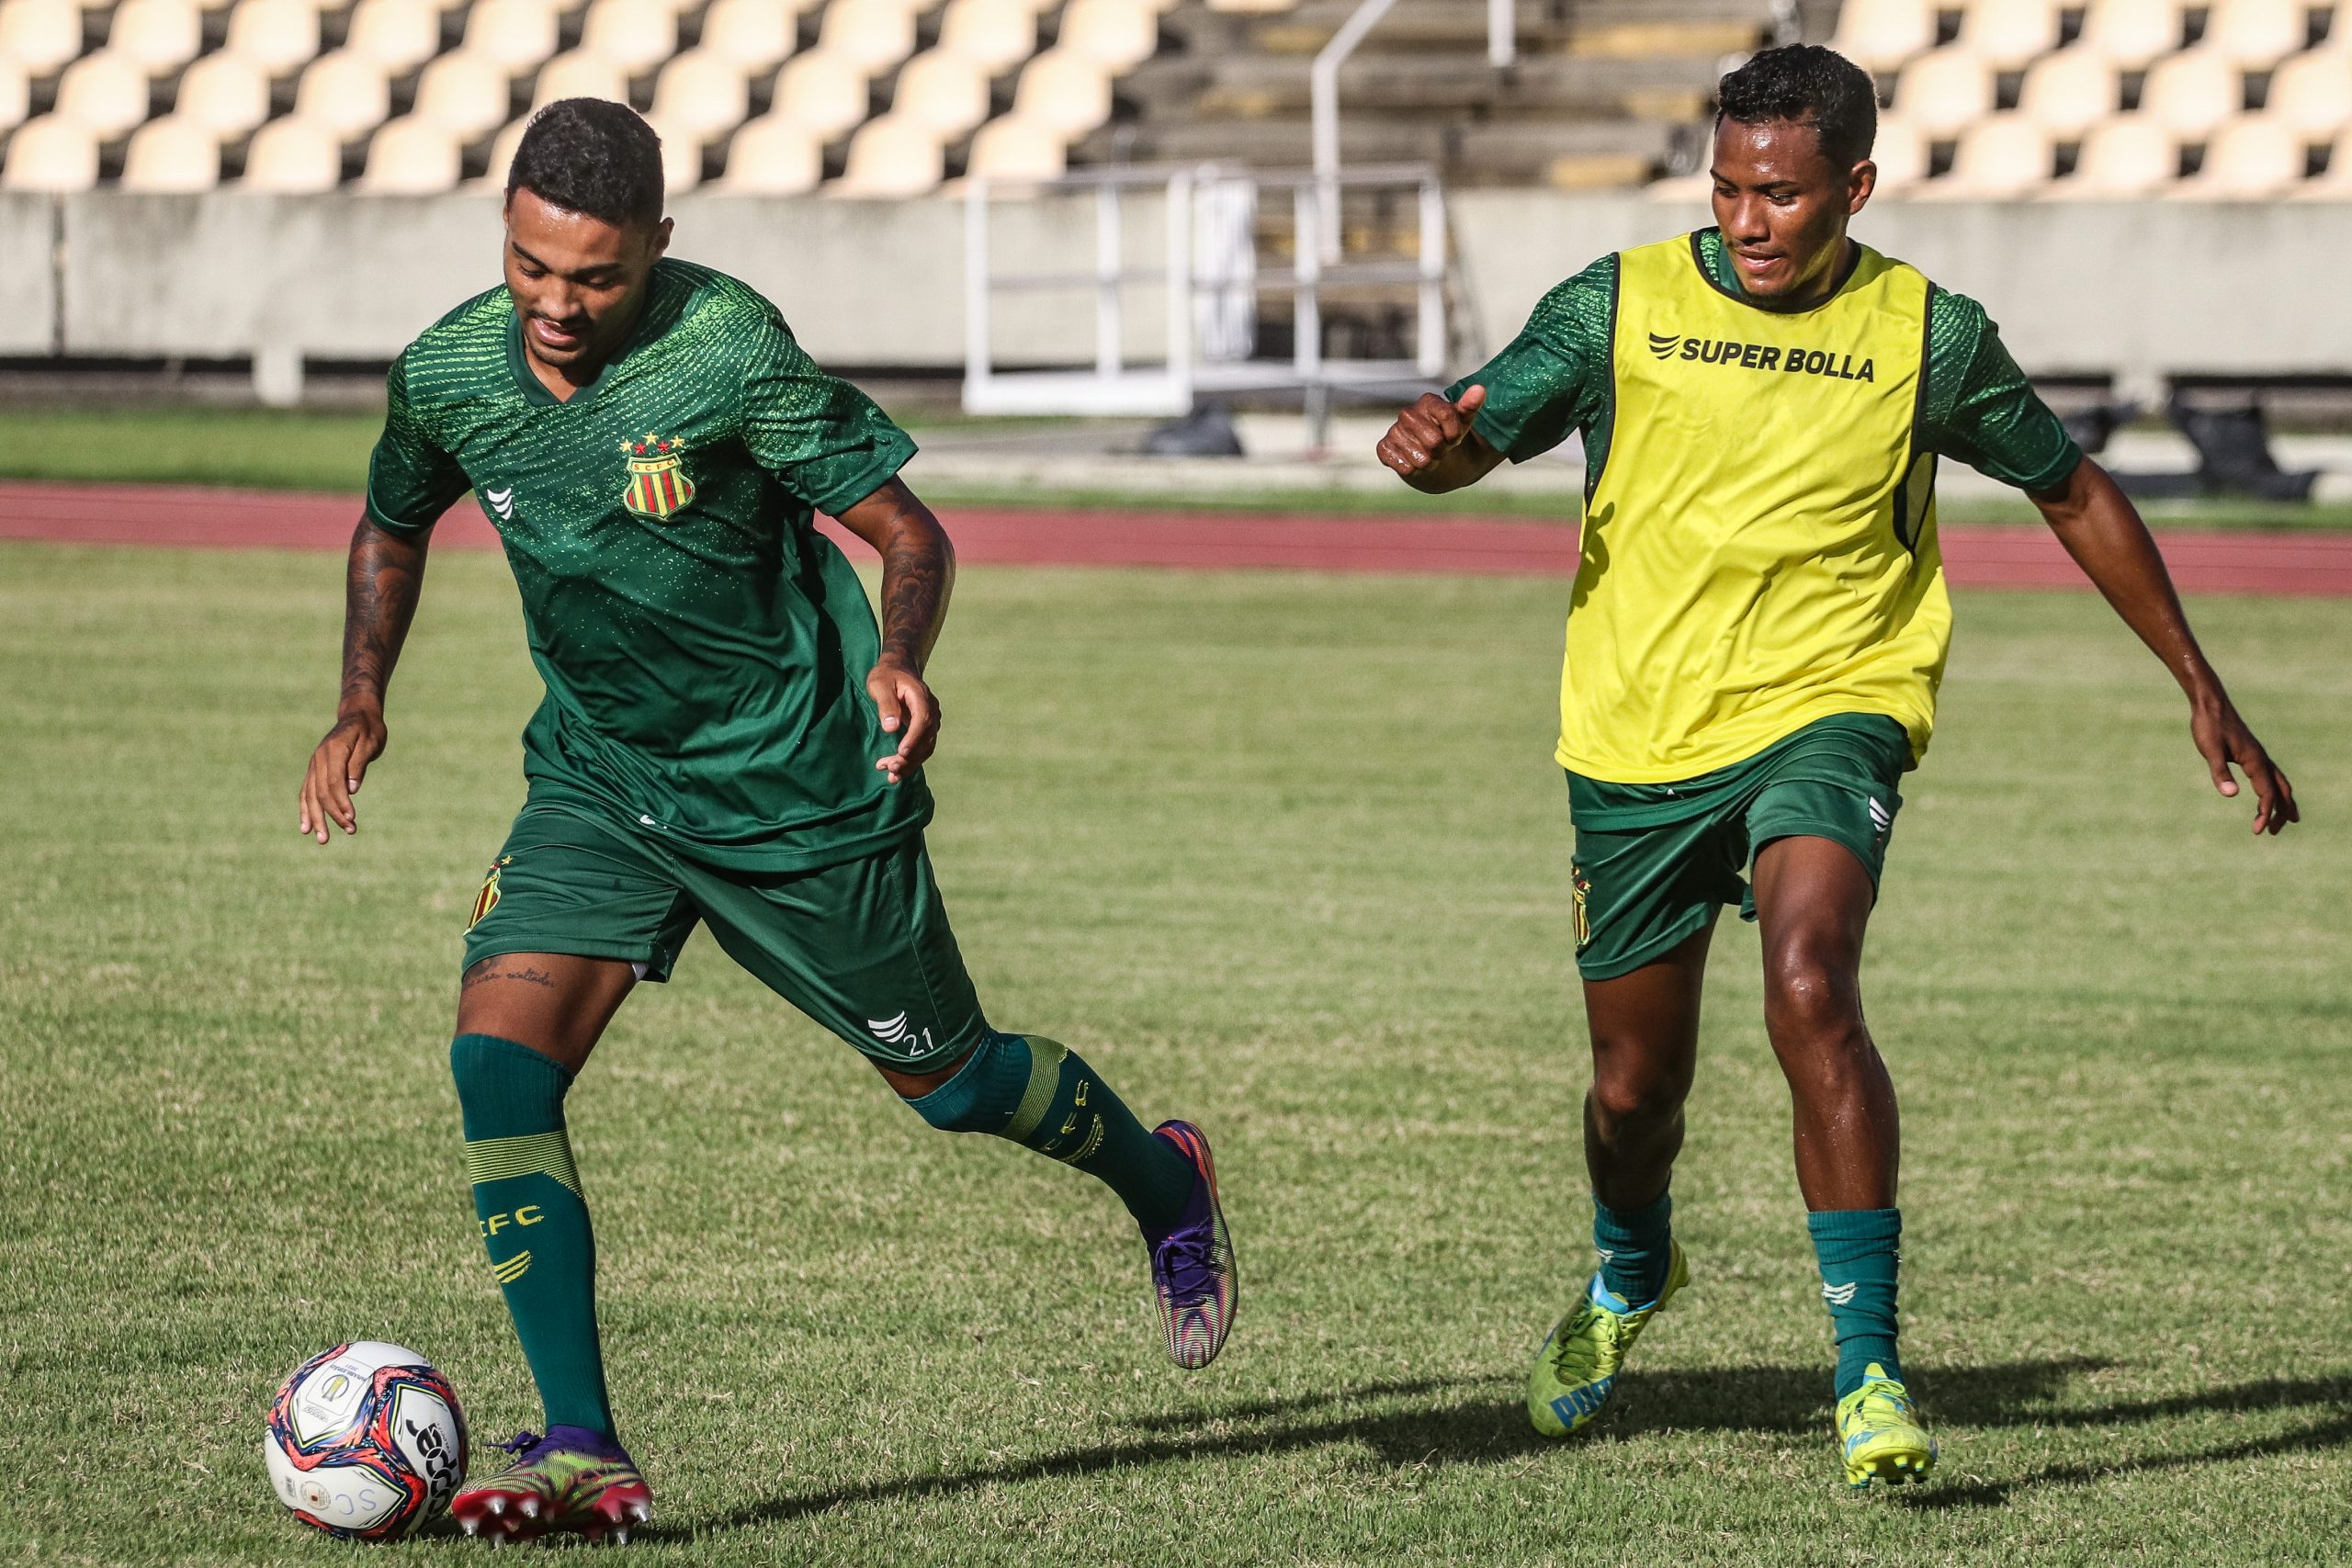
x: 658, y: 485
x: 487, y: 899
x: 1582, y: 886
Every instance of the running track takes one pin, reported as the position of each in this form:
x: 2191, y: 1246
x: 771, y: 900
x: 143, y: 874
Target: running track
x: 2318, y: 565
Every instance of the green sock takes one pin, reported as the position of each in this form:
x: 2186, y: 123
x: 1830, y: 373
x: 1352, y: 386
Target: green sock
x: 1043, y: 1096
x: 534, y: 1221
x: 1635, y: 1247
x: 1859, y: 1250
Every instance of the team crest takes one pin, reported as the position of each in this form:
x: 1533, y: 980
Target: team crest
x: 1582, y: 886
x: 658, y: 485
x: 487, y: 899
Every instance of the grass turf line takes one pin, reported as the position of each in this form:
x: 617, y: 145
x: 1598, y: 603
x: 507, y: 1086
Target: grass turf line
x: 1283, y: 853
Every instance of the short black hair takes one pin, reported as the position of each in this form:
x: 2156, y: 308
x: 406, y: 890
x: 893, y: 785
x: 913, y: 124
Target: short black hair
x: 591, y: 156
x: 1812, y: 85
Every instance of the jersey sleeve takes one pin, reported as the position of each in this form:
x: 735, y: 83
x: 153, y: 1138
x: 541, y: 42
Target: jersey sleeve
x: 1981, y: 409
x: 824, y: 440
x: 1554, y: 378
x: 410, y: 482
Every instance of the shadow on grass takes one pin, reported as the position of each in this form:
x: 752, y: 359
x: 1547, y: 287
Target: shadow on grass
x: 1465, y: 1421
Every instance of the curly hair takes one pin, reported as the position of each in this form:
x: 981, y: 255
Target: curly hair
x: 1811, y: 85
x: 590, y: 156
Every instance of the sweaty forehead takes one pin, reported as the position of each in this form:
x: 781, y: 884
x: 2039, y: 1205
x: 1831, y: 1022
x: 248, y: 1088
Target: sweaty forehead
x: 564, y: 240
x: 1769, y: 152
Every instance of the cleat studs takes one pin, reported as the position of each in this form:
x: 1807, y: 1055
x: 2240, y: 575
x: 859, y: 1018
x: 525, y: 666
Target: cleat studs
x: 619, y: 1536
x: 528, y: 1507
x: 497, y: 1504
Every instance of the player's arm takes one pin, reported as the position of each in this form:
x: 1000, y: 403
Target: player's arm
x: 1433, y: 447
x: 918, y: 575
x: 2102, y: 530
x: 380, y: 588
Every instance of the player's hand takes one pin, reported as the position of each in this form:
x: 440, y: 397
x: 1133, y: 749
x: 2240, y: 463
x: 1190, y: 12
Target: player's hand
x: 336, y: 769
x: 2222, y: 739
x: 1426, y: 433
x: 909, y: 711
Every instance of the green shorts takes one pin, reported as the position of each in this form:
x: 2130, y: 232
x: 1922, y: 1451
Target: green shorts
x: 1655, y: 862
x: 862, y: 947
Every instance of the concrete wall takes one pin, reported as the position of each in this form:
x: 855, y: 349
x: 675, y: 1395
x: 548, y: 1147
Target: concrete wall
x: 2135, y: 289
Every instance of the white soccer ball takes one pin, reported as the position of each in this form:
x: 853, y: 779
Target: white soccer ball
x: 366, y: 1441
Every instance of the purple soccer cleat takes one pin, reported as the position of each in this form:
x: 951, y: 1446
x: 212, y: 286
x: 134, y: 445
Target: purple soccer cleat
x: 1192, y: 1271
x: 573, y: 1480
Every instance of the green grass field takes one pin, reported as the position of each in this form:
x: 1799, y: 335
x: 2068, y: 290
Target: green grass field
x: 1283, y: 853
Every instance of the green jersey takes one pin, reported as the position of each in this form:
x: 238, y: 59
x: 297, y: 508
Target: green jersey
x: 705, y: 648
x: 1976, y: 405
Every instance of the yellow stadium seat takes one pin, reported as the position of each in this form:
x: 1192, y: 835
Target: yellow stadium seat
x: 226, y: 94
x: 995, y: 35
x: 1944, y: 92
x: 1013, y: 148
x: 514, y: 35
x: 399, y: 35
x: 1880, y: 35
x: 42, y: 36
x: 2132, y: 33
x: 872, y: 34
x: 702, y: 91
x: 160, y: 35
x: 891, y: 156
x: 2069, y: 92
x: 172, y: 156
x: 2313, y: 92
x: 942, y: 91
x: 773, y: 155
x: 413, y: 156
x: 2191, y: 94
x: 1999, y: 158
x: 577, y: 73
x: 2256, y: 34
x: 51, y: 154
x: 1063, y: 92
x: 2129, y: 155
x: 2254, y: 157
x: 344, y: 92
x: 757, y: 35
x: 277, y: 35
x: 822, y: 94
x: 103, y: 94
x: 636, y: 34
x: 1117, y: 34
x: 2009, y: 33
x: 294, y: 157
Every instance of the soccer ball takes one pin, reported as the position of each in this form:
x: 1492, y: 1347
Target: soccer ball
x: 366, y: 1441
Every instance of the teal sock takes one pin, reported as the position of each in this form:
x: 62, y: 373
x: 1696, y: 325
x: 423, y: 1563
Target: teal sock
x: 1859, y: 1250
x: 1041, y: 1094
x: 1635, y: 1246
x: 533, y: 1219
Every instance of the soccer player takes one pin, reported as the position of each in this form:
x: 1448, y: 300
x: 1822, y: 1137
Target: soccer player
x: 726, y: 739
x: 1756, y: 634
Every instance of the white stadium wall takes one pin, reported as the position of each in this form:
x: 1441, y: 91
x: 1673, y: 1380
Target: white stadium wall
x: 2138, y: 290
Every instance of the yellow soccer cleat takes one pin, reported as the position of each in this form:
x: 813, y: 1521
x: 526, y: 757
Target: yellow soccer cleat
x: 1879, y: 1434
x: 1577, y: 1370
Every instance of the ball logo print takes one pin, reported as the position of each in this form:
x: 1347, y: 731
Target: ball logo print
x: 366, y: 1441
x: 658, y: 485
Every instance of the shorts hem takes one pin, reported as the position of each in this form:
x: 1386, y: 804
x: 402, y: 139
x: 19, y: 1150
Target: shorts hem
x: 945, y: 1056
x: 657, y: 962
x: 1618, y: 968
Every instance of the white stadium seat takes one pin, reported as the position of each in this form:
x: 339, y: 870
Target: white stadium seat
x: 995, y: 35
x: 413, y: 156
x: 502, y: 154
x: 399, y: 35
x: 277, y: 35
x: 293, y: 157
x: 514, y: 35
x: 1880, y: 35
x: 103, y: 94
x: 703, y: 92
x: 1012, y: 148
x: 773, y: 155
x: 891, y: 156
x: 1900, y: 153
x: 1944, y: 92
x: 2313, y: 92
x: 343, y: 92
x: 681, y: 158
x: 822, y: 94
x: 873, y: 34
x: 172, y: 155
x: 636, y: 34
x: 2009, y: 33
x: 1117, y: 34
x: 2069, y: 92
x: 465, y: 93
x: 2253, y: 157
x: 160, y: 35
x: 2192, y: 93
x: 50, y: 154
x: 40, y: 36
x: 577, y: 73
x: 16, y: 95
x: 1063, y: 92
x: 2132, y: 33
x: 2129, y: 155
x: 2335, y: 185
x: 2258, y: 34
x: 942, y: 91
x: 226, y: 94
x: 2001, y: 158
x: 757, y: 35
x: 1255, y: 7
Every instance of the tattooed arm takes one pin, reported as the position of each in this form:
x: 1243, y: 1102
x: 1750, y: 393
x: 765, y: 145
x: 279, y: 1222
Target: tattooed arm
x: 379, y: 600
x: 917, y: 573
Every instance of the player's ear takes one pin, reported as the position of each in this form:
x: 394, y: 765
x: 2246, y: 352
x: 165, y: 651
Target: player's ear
x: 661, y: 238
x: 1860, y: 184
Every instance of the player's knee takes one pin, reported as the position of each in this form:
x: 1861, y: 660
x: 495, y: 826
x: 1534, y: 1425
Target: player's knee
x: 1628, y: 1098
x: 1810, y: 995
x: 981, y: 1094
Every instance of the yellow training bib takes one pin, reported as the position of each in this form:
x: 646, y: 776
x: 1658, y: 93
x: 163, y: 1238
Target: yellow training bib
x: 1759, y: 551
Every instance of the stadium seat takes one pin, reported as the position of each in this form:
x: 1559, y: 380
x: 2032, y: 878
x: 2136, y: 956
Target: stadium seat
x: 172, y: 155
x: 16, y: 95
x: 822, y: 94
x: 636, y: 34
x: 294, y: 157
x: 159, y: 35
x: 226, y: 94
x: 1944, y: 92
x: 942, y: 91
x: 502, y: 156
x: 1117, y: 34
x: 2256, y: 34
x: 1880, y: 35
x: 577, y: 73
x: 2007, y: 34
x: 277, y: 35
x: 757, y: 35
x: 2000, y: 158
x: 873, y: 35
x: 1258, y: 7
x: 2192, y: 93
x: 2132, y: 33
x: 2253, y: 157
x: 51, y: 154
x: 40, y: 36
x: 1901, y: 154
x: 399, y: 35
x: 995, y: 35
x: 2335, y: 185
x: 2313, y: 92
x: 413, y: 156
x: 343, y: 92
x: 891, y: 156
x: 1013, y: 148
x: 701, y: 92
x: 514, y: 35
x: 2129, y: 155
x: 773, y: 155
x: 681, y: 158
x: 103, y: 93
x: 2069, y: 92
x: 1063, y: 92
x: 465, y: 93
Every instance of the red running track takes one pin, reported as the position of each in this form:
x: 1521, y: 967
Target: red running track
x: 2318, y: 565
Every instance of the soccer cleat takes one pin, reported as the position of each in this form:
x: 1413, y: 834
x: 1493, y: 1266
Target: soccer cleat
x: 1879, y: 1435
x: 573, y: 1480
x: 1192, y: 1271
x: 1577, y: 1370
